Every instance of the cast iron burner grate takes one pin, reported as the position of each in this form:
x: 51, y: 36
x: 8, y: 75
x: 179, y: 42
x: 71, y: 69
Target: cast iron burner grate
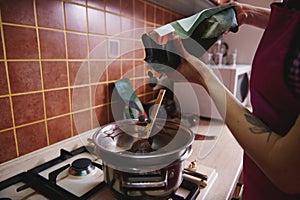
x: 49, y: 188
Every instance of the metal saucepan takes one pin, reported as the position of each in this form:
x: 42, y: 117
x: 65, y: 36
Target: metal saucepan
x: 134, y: 174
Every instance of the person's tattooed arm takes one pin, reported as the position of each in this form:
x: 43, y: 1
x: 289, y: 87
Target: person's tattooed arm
x: 258, y: 126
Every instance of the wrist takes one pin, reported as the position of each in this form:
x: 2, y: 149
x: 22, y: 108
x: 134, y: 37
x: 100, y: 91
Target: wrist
x: 256, y: 16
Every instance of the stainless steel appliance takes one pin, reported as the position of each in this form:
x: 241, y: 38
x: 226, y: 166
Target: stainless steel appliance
x: 81, y: 174
x: 75, y: 174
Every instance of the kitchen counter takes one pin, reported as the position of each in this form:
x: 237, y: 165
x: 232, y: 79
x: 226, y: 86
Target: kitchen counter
x: 224, y: 155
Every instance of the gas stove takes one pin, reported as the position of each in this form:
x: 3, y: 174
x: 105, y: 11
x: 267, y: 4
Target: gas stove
x: 73, y: 175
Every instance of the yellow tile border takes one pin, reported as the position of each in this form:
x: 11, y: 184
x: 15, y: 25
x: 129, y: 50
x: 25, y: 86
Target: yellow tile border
x: 67, y: 65
x: 89, y: 70
x: 41, y: 68
x: 9, y: 88
x: 66, y: 114
x: 66, y: 87
x: 69, y: 60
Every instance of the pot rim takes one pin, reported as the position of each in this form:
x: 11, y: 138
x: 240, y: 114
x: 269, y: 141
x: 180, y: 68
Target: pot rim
x: 145, y: 155
x: 138, y: 162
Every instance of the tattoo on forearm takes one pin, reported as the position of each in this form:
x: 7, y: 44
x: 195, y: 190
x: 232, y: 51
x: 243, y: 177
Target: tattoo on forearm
x: 259, y: 127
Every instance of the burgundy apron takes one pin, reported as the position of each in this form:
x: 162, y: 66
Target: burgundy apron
x: 271, y: 99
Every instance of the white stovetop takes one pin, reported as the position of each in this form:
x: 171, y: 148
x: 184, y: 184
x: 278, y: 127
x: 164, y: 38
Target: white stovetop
x: 221, y: 160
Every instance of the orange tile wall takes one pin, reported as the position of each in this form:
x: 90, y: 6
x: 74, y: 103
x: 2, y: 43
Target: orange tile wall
x: 56, y: 76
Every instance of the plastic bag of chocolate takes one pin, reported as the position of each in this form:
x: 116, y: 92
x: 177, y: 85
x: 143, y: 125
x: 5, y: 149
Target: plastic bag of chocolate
x: 198, y: 33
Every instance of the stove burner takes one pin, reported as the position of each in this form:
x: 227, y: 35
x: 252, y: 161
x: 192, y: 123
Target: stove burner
x: 49, y: 189
x: 81, y: 167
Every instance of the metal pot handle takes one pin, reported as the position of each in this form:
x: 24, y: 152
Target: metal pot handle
x: 186, y: 154
x: 152, y: 181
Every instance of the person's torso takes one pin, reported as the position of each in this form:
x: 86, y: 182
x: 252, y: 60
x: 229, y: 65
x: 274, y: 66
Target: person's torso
x: 271, y: 98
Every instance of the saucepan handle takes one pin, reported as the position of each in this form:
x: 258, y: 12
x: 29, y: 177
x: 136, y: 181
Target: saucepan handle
x: 146, y: 181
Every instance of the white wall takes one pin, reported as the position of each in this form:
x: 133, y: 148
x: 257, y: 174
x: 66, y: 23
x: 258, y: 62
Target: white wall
x: 247, y: 38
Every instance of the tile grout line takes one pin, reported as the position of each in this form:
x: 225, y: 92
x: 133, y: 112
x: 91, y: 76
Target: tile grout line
x: 63, y: 59
x: 121, y: 28
x: 9, y: 88
x: 69, y: 87
x: 51, y: 118
x: 155, y: 17
x: 134, y: 19
x: 66, y: 87
x: 41, y: 69
x: 145, y: 27
x: 89, y: 66
x: 106, y: 61
x: 63, y: 115
x: 68, y: 31
x: 149, y: 3
x: 104, y: 10
x: 67, y: 66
